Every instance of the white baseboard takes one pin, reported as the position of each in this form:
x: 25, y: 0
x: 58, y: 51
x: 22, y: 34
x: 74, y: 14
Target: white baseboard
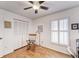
x: 56, y: 49
x: 70, y: 52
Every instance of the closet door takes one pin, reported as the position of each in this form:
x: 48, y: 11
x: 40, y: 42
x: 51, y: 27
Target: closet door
x: 25, y: 33
x: 17, y: 34
x: 20, y: 33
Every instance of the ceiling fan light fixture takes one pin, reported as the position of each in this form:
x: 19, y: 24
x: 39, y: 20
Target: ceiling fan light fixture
x: 35, y: 7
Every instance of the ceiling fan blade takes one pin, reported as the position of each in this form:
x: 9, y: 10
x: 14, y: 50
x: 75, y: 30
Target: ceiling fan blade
x: 31, y: 2
x: 43, y: 7
x: 40, y: 2
x: 36, y: 11
x: 27, y: 8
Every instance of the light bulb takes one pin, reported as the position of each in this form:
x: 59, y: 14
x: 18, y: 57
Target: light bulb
x: 36, y: 7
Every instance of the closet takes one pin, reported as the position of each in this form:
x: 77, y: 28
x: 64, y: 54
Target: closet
x: 20, y: 33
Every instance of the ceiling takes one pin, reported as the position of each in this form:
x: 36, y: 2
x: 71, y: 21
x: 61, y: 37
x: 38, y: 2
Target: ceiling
x: 54, y: 6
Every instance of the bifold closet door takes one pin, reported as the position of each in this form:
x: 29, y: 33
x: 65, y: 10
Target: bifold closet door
x: 17, y: 34
x: 20, y: 33
x: 24, y: 33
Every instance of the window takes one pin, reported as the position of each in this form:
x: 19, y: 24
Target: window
x: 59, y: 31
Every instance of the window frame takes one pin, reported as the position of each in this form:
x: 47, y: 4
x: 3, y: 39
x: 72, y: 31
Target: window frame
x: 60, y: 31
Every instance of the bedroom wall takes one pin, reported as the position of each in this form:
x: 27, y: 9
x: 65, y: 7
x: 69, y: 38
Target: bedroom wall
x: 8, y: 34
x: 73, y: 15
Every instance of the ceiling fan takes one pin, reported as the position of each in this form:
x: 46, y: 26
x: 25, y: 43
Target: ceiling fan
x: 36, y: 5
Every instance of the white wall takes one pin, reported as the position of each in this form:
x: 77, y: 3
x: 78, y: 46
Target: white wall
x: 8, y: 34
x: 72, y: 14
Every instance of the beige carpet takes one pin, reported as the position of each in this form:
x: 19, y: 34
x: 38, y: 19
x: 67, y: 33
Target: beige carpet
x: 40, y: 52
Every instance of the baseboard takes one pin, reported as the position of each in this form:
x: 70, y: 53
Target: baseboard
x: 53, y: 50
x: 20, y: 48
x: 71, y: 53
